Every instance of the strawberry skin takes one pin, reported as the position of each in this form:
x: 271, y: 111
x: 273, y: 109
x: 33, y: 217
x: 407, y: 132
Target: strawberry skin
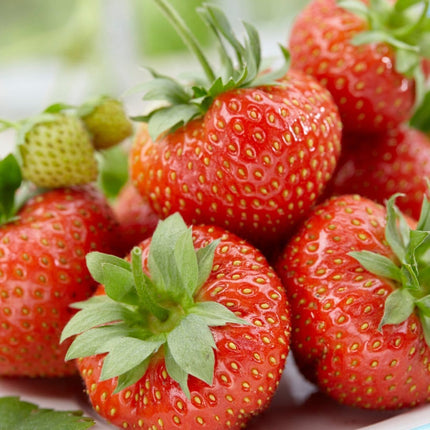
x: 137, y: 220
x: 249, y: 359
x: 380, y: 165
x: 42, y: 271
x: 337, y: 307
x: 370, y: 94
x: 254, y: 164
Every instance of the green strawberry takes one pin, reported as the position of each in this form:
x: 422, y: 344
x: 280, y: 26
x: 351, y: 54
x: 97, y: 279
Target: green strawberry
x: 106, y: 121
x: 56, y: 151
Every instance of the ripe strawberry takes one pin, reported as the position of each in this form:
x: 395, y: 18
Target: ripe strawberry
x: 56, y: 151
x: 106, y: 121
x: 380, y: 165
x: 368, y: 60
x: 252, y: 157
x: 137, y: 220
x: 42, y: 271
x: 193, y: 332
x: 357, y: 278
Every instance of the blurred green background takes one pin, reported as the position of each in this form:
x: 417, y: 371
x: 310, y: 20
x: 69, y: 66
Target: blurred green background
x: 54, y: 50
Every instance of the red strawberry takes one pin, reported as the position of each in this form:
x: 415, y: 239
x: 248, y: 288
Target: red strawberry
x: 368, y: 61
x: 254, y: 156
x: 42, y: 271
x: 137, y: 220
x: 362, y: 330
x: 377, y: 166
x: 198, y: 338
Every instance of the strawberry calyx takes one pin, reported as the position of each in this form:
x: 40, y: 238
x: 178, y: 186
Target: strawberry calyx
x: 403, y: 24
x: 410, y: 273
x: 182, y: 103
x: 421, y: 118
x: 149, y: 314
x: 10, y: 182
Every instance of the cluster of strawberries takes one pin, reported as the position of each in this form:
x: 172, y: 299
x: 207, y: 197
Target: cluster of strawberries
x: 252, y: 221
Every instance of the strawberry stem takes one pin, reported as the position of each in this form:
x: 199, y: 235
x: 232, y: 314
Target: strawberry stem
x: 146, y: 300
x: 188, y: 38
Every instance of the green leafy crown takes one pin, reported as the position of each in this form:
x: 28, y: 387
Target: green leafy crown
x: 141, y: 315
x: 411, y: 275
x: 240, y: 70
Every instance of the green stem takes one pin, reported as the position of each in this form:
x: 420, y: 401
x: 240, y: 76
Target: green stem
x: 5, y: 125
x: 187, y: 37
x: 404, y: 32
x: 142, y: 287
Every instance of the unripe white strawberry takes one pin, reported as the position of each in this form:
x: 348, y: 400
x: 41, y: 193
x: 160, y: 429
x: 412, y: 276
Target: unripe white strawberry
x: 58, y: 153
x: 107, y: 122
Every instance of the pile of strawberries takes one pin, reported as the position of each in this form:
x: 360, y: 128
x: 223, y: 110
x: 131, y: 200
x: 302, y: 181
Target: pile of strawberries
x: 253, y: 221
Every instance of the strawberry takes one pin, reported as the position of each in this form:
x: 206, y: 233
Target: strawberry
x: 357, y: 277
x: 137, y: 220
x: 56, y: 151
x: 368, y: 55
x: 250, y: 152
x: 42, y: 271
x: 380, y: 165
x: 106, y: 120
x: 192, y: 330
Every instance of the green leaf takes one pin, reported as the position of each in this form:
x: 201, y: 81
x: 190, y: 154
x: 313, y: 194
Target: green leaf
x: 176, y: 372
x: 393, y: 232
x: 424, y: 220
x: 131, y: 376
x: 161, y: 259
x: 10, y: 181
x: 421, y: 117
x: 113, y: 170
x: 357, y: 7
x: 170, y: 118
x: 119, y: 283
x: 147, y: 291
x: 424, y: 305
x: 205, y: 260
x: 407, y: 61
x: 216, y: 314
x: 96, y: 315
x: 191, y: 344
x: 402, y: 5
x: 377, y: 264
x: 117, y: 362
x: 372, y: 36
x: 16, y: 414
x: 399, y: 305
x: 91, y: 341
x: 186, y: 262
x: 167, y: 89
x: 410, y: 278
x: 95, y: 261
x: 58, y: 107
x: 425, y: 322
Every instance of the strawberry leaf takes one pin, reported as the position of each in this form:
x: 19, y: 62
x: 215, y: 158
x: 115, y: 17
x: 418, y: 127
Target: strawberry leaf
x: 377, y: 264
x: 425, y: 321
x: 119, y: 283
x: 21, y: 415
x: 215, y: 314
x: 205, y: 258
x: 95, y: 315
x: 191, y: 345
x: 91, y: 341
x: 131, y: 376
x: 117, y: 363
x: 95, y: 261
x: 113, y: 170
x: 421, y: 118
x: 10, y: 181
x: 176, y: 372
x: 398, y: 307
